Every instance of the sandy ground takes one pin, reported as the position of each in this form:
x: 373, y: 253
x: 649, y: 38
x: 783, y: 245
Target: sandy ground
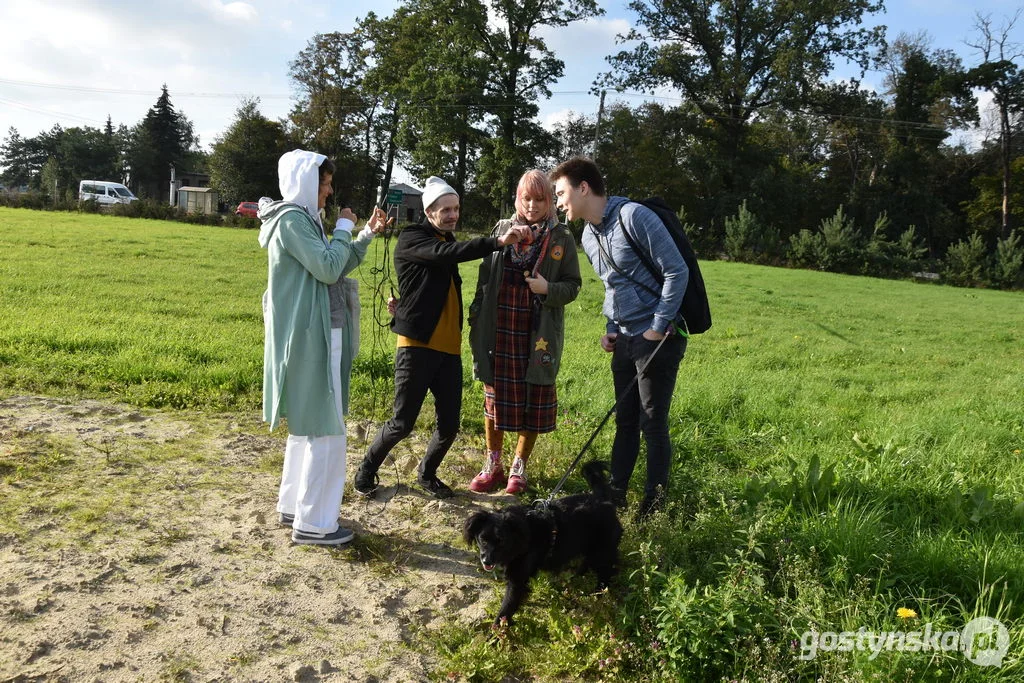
x: 151, y: 550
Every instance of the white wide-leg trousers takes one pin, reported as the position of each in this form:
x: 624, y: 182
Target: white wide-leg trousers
x: 313, y: 479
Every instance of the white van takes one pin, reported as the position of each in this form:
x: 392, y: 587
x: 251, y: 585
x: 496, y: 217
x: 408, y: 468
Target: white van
x: 105, y: 192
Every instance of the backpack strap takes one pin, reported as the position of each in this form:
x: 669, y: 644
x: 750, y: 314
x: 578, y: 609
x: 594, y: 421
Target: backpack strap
x: 644, y: 257
x: 648, y: 262
x: 606, y: 258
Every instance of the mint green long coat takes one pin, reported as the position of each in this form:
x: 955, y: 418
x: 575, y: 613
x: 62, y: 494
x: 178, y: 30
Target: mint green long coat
x: 297, y: 319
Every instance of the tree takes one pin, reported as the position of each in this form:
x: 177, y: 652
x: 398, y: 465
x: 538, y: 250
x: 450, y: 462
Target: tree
x: 469, y: 74
x: 68, y: 155
x: 575, y: 136
x: 930, y: 91
x: 521, y: 69
x: 16, y: 159
x: 49, y: 179
x: 163, y: 138
x: 423, y: 56
x: 243, y: 165
x: 335, y: 115
x: 999, y: 74
x: 927, y: 95
x: 734, y: 59
x: 849, y: 138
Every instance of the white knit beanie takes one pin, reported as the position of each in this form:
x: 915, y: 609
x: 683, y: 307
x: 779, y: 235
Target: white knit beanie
x: 435, y: 188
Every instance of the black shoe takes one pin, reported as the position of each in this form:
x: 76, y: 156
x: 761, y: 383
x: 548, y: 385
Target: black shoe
x: 366, y: 483
x: 649, y: 505
x: 618, y: 497
x: 434, y: 486
x: 285, y: 519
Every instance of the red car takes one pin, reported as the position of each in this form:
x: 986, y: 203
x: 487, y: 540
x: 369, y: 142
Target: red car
x: 247, y: 209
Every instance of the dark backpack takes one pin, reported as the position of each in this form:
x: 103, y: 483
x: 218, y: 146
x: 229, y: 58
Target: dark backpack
x: 694, y: 311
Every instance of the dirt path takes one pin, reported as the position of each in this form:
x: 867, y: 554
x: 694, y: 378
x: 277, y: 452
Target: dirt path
x: 142, y: 545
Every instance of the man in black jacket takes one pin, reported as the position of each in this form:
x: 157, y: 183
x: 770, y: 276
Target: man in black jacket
x: 428, y: 322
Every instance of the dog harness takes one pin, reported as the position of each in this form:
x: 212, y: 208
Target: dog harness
x: 541, y: 509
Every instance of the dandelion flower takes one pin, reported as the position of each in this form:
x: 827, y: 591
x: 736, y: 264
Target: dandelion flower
x: 906, y: 613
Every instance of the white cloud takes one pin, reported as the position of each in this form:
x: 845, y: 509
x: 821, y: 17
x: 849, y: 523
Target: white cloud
x: 553, y: 119
x: 230, y: 12
x: 597, y: 34
x: 241, y: 10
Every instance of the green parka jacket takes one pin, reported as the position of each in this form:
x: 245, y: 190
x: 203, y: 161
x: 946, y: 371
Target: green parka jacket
x: 297, y: 319
x: 561, y: 268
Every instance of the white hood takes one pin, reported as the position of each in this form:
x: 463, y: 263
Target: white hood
x: 298, y: 174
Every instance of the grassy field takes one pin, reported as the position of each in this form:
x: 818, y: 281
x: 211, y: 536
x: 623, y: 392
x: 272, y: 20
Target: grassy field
x: 845, y: 446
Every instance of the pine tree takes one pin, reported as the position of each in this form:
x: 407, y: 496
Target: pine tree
x: 163, y: 138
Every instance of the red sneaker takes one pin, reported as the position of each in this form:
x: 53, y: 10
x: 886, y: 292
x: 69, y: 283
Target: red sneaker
x: 517, y: 476
x: 491, y: 476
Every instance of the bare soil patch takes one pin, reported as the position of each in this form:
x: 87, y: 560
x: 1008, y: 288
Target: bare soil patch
x: 140, y: 545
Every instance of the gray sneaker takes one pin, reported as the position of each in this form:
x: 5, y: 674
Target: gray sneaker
x: 339, y: 537
x: 285, y: 519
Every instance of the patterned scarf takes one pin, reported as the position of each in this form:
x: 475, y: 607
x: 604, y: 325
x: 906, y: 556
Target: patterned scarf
x: 524, y: 256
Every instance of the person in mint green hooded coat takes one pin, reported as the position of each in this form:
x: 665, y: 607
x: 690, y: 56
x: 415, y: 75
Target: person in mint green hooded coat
x: 303, y: 351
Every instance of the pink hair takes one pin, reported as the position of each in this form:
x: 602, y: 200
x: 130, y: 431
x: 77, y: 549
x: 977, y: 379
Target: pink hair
x: 535, y: 185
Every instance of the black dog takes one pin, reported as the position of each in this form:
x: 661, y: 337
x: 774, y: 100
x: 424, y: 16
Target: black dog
x: 525, y: 539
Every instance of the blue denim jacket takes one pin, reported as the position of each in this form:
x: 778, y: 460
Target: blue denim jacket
x: 632, y: 309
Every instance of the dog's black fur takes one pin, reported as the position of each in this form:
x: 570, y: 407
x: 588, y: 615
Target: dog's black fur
x: 525, y: 539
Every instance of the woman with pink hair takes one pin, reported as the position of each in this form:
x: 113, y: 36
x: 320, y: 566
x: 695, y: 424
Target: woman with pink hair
x: 517, y: 330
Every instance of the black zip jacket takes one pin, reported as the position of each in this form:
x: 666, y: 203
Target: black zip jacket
x: 425, y: 266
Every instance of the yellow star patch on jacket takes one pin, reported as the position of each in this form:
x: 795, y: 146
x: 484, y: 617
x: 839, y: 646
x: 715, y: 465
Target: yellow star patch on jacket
x: 542, y: 344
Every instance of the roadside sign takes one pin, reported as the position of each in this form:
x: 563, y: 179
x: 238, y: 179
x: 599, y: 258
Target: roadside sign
x: 395, y: 196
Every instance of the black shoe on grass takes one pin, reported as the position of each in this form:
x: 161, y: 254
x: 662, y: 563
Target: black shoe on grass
x: 366, y: 483
x: 434, y: 486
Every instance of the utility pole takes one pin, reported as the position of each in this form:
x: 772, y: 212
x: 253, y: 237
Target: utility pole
x: 597, y: 128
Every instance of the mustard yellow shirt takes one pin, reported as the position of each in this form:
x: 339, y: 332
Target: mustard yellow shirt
x: 447, y: 337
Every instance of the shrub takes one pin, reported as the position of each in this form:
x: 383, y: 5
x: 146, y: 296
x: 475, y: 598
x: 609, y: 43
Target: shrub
x: 909, y: 253
x: 840, y: 246
x: 741, y: 234
x: 1008, y: 266
x: 747, y: 238
x: 24, y: 200
x: 147, y: 208
x: 804, y: 248
x: 879, y: 252
x: 89, y: 206
x: 965, y: 262
x: 246, y: 222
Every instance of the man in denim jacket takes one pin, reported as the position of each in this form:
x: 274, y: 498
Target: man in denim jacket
x: 640, y: 313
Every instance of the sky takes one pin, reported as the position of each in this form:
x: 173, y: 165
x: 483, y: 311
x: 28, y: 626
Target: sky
x: 76, y: 62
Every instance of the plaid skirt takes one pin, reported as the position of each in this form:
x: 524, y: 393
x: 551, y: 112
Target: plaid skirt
x: 513, y: 404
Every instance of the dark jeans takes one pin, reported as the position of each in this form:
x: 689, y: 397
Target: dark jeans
x: 418, y: 370
x: 644, y: 409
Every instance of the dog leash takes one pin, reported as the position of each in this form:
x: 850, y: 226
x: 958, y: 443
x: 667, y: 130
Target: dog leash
x: 558, y: 487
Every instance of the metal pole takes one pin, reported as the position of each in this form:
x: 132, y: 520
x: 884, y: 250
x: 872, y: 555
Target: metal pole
x: 597, y: 128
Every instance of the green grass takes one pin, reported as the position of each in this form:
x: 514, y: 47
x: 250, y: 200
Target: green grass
x: 845, y: 446
x: 149, y: 312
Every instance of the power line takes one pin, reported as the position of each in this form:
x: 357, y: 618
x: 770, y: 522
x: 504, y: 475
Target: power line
x: 354, y: 106
x: 146, y: 93
x: 48, y: 112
